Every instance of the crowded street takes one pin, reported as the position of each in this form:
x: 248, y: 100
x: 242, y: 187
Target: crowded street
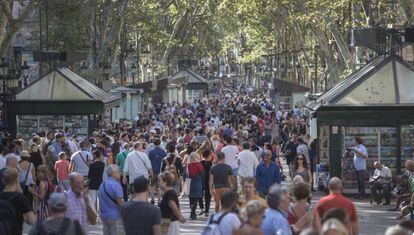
x: 229, y: 117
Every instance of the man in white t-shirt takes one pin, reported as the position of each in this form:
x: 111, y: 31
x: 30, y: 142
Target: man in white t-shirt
x: 230, y: 152
x: 137, y: 164
x: 81, y: 160
x: 226, y: 219
x: 247, y: 162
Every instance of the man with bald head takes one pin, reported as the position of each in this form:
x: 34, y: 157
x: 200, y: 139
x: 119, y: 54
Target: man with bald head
x: 78, y: 202
x: 381, y: 180
x: 335, y: 200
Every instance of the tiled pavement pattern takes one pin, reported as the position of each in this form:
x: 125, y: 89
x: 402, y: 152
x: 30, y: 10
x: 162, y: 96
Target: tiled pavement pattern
x: 373, y: 219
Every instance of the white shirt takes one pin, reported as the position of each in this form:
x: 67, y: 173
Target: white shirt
x: 230, y: 152
x: 137, y: 164
x: 247, y: 163
x: 81, y: 160
x: 384, y: 172
x: 228, y: 223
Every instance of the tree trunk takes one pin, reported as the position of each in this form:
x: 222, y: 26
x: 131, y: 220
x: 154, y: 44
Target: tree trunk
x: 13, y: 24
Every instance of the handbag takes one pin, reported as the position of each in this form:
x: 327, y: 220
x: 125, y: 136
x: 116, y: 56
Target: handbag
x: 187, y: 184
x: 165, y: 224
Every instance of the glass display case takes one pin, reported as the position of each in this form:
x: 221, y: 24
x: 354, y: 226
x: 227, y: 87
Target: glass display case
x: 407, y: 144
x: 380, y: 143
x: 29, y: 124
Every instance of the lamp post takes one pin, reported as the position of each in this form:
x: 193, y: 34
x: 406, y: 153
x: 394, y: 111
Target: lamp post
x: 10, y: 80
x: 133, y: 68
x: 25, y: 70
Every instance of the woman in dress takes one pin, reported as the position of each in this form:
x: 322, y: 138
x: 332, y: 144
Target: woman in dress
x: 170, y: 207
x: 300, y: 167
x: 196, y: 174
x: 41, y: 195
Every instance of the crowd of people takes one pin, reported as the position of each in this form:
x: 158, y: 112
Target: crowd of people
x: 131, y: 175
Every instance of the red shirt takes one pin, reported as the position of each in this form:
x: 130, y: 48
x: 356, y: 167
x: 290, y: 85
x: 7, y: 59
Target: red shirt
x: 335, y: 200
x: 62, y: 169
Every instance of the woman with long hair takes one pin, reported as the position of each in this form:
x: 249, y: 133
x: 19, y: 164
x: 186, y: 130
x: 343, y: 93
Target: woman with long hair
x: 300, y: 208
x: 41, y: 195
x: 300, y: 167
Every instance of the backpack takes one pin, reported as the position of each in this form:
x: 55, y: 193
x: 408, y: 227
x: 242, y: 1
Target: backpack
x: 213, y: 226
x: 8, y: 217
x: 62, y: 230
x: 170, y: 167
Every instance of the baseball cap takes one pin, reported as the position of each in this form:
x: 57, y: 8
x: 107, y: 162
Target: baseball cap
x: 58, y: 201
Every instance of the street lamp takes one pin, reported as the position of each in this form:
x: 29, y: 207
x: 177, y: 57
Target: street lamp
x: 133, y: 68
x: 9, y: 82
x: 25, y: 70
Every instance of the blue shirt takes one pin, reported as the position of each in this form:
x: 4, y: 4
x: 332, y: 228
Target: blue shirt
x: 155, y: 156
x: 275, y: 222
x: 109, y: 210
x: 58, y: 149
x: 266, y: 177
x: 360, y: 163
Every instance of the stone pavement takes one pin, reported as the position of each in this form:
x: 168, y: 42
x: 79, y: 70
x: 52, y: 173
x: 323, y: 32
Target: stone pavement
x: 373, y: 219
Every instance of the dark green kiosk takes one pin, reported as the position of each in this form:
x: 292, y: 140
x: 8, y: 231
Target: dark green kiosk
x: 375, y: 103
x: 61, y: 99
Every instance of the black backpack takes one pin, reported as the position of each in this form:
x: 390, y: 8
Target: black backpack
x: 8, y: 218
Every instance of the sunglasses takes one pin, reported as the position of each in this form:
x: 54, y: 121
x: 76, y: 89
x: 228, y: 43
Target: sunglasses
x: 300, y: 158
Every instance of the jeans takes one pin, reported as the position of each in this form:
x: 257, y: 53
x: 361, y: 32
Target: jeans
x: 112, y: 227
x: 125, y: 189
x: 193, y: 205
x: 360, y: 175
x: 207, y: 199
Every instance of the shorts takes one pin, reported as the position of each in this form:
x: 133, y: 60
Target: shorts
x: 235, y: 171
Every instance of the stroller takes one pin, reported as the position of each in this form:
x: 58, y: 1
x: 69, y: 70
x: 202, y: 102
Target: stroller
x: 322, y: 174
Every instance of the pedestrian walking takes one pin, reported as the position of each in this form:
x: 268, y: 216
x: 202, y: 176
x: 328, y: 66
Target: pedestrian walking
x: 335, y: 199
x: 80, y: 160
x: 196, y: 174
x: 226, y: 220
x: 78, y: 202
x: 207, y: 163
x: 139, y: 215
x: 23, y: 209
x: 56, y: 223
x: 110, y: 198
x: 95, y: 177
x: 120, y: 161
x: 27, y: 176
x: 301, y: 168
x: 156, y: 155
x: 41, y: 195
x: 247, y: 162
x: 62, y: 171
x: 221, y: 179
x: 170, y: 207
x: 252, y: 216
x: 267, y: 174
x: 137, y: 164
